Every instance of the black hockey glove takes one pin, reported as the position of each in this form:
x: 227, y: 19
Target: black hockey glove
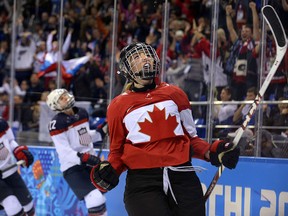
x: 228, y: 156
x: 22, y: 153
x: 88, y: 159
x: 104, y: 177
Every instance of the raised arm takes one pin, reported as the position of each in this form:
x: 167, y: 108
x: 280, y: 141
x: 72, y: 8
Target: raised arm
x: 229, y: 22
x: 256, y: 32
x: 238, y: 114
x: 49, y: 40
x: 67, y: 42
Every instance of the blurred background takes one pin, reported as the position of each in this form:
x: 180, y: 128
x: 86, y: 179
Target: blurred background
x: 219, y: 52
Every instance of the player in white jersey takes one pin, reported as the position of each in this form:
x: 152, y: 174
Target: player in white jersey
x: 15, y: 197
x: 152, y: 134
x: 73, y: 139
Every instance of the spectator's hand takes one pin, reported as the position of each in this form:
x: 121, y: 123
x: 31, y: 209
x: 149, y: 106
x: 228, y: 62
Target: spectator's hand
x: 104, y: 176
x: 88, y: 159
x: 222, y: 152
x: 284, y: 111
x: 19, y: 20
x: 199, y: 28
x: 229, y: 9
x: 22, y: 153
x: 88, y: 35
x: 53, y: 32
x: 252, y: 5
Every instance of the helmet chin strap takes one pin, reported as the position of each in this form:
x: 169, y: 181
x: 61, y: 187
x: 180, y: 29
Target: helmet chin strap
x: 144, y: 88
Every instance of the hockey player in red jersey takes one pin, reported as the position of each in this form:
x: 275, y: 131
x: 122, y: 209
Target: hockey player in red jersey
x: 15, y: 197
x: 73, y: 140
x: 153, y: 136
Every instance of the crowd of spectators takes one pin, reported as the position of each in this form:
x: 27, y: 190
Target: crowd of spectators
x: 88, y: 27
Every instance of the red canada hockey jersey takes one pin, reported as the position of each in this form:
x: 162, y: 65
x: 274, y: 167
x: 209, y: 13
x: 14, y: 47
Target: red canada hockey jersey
x: 152, y: 129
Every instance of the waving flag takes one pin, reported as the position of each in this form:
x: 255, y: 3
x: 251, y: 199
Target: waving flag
x: 68, y: 67
x: 73, y: 65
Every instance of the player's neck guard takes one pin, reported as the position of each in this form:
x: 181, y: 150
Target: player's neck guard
x: 144, y: 88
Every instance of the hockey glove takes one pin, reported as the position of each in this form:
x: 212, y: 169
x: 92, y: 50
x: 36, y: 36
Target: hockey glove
x: 104, y: 176
x: 22, y: 153
x: 88, y: 159
x: 228, y: 156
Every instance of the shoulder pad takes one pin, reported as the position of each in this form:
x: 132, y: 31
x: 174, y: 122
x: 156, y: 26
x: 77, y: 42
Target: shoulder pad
x: 3, y: 125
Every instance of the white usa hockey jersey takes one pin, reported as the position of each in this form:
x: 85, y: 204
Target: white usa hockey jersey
x: 71, y: 134
x: 7, y: 145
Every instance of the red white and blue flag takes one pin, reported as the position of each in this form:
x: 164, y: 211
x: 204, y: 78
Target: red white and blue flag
x: 68, y: 67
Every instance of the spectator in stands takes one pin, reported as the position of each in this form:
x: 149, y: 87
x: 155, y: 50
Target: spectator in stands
x: 202, y: 47
x: 52, y: 47
x: 24, y: 57
x: 99, y: 92
x: 18, y: 90
x: 23, y: 88
x: 177, y: 43
x: 275, y: 89
x: 241, y: 64
x: 31, y: 114
x: 175, y: 72
x: 81, y: 85
x: 52, y: 85
x: 268, y: 147
x: 224, y: 113
x: 4, y: 53
x: 4, y: 100
x: 279, y: 118
x: 39, y: 56
x: 193, y: 79
x: 44, y: 96
x: 31, y: 117
x: 33, y: 93
x: 243, y: 109
x: 44, y: 22
x: 38, y: 34
x: 18, y: 113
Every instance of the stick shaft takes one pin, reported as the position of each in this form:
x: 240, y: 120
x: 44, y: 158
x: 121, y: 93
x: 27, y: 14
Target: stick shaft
x: 20, y: 162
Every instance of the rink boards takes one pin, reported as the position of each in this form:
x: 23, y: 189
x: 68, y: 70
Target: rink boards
x: 257, y: 187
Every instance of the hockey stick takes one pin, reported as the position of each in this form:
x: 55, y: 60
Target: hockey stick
x: 104, y: 141
x: 20, y: 162
x: 277, y: 29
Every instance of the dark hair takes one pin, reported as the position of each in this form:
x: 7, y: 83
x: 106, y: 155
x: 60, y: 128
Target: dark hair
x: 228, y: 90
x: 249, y: 26
x: 252, y: 90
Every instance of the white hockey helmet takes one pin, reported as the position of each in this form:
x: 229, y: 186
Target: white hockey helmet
x: 53, y: 100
